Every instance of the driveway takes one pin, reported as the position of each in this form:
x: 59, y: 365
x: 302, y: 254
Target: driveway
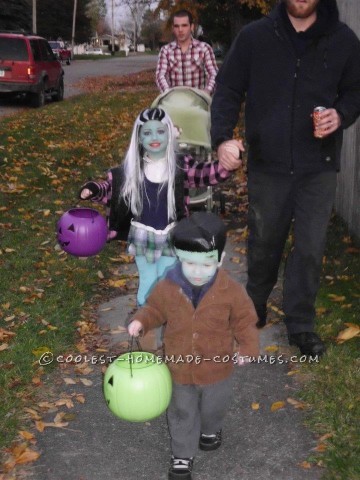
x: 80, y: 69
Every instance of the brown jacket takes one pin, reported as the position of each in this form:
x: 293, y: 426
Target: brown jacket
x: 201, y: 340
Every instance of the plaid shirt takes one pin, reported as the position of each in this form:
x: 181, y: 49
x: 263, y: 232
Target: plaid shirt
x: 175, y: 68
x: 154, y: 243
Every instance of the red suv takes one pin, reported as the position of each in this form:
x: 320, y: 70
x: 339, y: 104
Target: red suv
x: 28, y: 65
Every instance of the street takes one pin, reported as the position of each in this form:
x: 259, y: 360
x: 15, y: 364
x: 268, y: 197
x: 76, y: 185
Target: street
x: 80, y: 69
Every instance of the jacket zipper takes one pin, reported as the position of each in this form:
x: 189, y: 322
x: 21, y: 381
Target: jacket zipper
x: 293, y: 107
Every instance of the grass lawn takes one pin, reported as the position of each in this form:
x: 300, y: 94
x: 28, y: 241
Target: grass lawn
x: 47, y: 297
x: 332, y: 387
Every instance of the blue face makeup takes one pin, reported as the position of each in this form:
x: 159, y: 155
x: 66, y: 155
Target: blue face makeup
x: 154, y: 137
x: 198, y: 267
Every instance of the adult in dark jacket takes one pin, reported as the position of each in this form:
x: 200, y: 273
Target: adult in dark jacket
x: 299, y: 57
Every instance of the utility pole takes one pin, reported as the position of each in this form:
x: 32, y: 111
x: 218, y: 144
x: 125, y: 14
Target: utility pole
x: 34, y: 30
x: 73, y: 29
x: 112, y: 28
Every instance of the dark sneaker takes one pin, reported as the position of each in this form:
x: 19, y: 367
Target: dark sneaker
x: 210, y: 442
x: 180, y: 468
x: 309, y: 343
x: 261, y: 311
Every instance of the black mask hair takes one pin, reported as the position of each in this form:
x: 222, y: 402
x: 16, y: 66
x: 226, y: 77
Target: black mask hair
x: 201, y: 232
x: 152, y: 114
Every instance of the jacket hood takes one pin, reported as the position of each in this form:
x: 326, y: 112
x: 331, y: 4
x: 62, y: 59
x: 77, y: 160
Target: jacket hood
x: 328, y: 16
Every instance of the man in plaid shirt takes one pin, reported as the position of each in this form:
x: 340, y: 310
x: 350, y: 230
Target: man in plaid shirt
x: 186, y: 61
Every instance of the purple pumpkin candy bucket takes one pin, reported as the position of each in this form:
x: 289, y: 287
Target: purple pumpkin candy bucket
x: 82, y: 232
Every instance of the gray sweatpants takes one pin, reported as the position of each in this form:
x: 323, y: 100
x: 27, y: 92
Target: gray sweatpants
x: 196, y: 409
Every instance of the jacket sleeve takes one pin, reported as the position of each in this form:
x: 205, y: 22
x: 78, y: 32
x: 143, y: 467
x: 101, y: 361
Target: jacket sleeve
x: 243, y: 320
x: 204, y: 174
x: 162, y: 71
x: 152, y: 314
x: 101, y: 191
x: 348, y: 100
x: 231, y: 85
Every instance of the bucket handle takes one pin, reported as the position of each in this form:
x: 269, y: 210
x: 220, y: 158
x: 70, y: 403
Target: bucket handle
x: 131, y: 349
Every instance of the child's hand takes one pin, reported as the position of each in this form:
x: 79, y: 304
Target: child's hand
x: 241, y: 360
x: 89, y: 190
x: 134, y: 328
x: 85, y: 193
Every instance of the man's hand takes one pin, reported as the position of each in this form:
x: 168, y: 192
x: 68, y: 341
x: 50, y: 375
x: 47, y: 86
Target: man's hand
x: 134, y: 328
x: 329, y: 121
x: 229, y: 154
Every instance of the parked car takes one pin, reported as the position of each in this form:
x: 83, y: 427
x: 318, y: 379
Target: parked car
x: 29, y: 66
x: 94, y: 51
x: 63, y: 53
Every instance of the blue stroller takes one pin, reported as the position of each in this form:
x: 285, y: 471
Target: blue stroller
x: 189, y: 109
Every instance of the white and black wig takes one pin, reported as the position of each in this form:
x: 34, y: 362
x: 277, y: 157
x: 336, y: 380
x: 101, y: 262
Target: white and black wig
x: 132, y: 189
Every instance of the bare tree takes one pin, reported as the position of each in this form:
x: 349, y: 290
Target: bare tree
x: 136, y: 9
x: 96, y: 12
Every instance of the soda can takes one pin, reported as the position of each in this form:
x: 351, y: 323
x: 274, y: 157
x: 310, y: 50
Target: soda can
x: 317, y: 132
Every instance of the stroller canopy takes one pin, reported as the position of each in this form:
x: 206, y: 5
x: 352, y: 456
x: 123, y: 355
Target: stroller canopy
x: 189, y: 110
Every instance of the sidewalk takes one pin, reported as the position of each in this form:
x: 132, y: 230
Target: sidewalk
x: 257, y: 444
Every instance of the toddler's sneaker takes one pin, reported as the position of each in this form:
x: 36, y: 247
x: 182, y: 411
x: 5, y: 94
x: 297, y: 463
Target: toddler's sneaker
x: 180, y: 468
x: 210, y: 442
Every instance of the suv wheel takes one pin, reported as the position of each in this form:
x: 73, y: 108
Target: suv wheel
x: 59, y: 94
x: 38, y: 98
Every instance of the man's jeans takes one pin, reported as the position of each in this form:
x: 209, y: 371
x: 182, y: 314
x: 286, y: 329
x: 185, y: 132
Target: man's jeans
x: 275, y: 200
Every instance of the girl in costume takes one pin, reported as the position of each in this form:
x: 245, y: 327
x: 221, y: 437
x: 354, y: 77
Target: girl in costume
x: 149, y: 192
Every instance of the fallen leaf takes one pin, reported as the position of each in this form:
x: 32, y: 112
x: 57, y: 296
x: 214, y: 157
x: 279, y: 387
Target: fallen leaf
x: 65, y: 401
x: 325, y: 437
x: 80, y: 398
x: 100, y: 275
x: 296, y: 403
x: 40, y: 426
x: 235, y: 259
x: 321, y: 311
x: 40, y: 351
x: 271, y: 348
x: 33, y: 413
x: 4, y: 346
x: 69, y: 381
x: 26, y: 435
x: 277, y: 405
x: 320, y: 448
x: 27, y: 456
x: 86, y: 382
x: 336, y: 298
x: 304, y: 464
x: 351, y: 331
x: 255, y: 406
x: 117, y: 283
x: 36, y: 381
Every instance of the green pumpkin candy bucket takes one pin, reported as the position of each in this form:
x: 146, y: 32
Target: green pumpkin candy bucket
x: 137, y: 387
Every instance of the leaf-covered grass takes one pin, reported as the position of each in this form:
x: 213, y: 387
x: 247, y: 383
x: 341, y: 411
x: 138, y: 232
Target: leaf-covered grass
x: 332, y: 386
x: 45, y: 156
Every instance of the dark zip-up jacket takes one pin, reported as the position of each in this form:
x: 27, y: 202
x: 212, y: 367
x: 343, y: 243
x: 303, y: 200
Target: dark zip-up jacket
x: 282, y: 87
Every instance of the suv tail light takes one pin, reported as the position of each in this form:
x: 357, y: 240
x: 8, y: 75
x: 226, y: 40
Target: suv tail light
x: 31, y: 72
